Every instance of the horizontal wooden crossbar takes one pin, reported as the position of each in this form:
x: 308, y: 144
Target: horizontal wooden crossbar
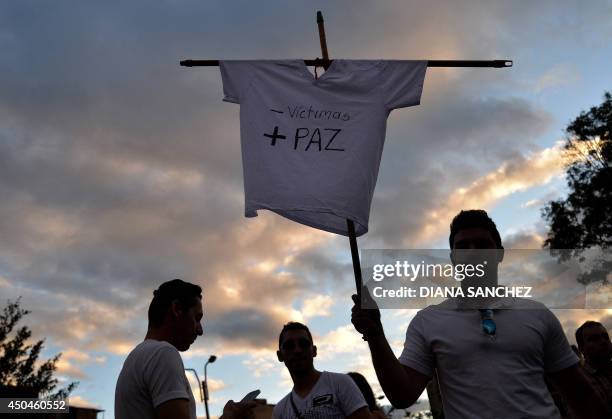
x: 430, y: 63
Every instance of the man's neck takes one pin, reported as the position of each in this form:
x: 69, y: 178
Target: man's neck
x: 303, y: 383
x: 491, y: 281
x: 158, y: 334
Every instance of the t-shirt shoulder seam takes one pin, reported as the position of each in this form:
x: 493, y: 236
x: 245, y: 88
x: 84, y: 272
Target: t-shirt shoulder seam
x: 378, y: 92
x: 161, y: 354
x: 375, y: 63
x: 247, y: 90
x: 165, y: 347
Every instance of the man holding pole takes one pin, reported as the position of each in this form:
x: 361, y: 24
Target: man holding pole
x: 480, y: 376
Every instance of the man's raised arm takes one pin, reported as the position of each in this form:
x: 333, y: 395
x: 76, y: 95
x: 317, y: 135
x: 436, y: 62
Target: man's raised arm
x: 402, y: 385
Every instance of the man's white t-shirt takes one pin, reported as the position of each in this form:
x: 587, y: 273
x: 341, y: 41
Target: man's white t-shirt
x: 152, y: 374
x: 485, y: 377
x: 334, y: 396
x: 311, y: 148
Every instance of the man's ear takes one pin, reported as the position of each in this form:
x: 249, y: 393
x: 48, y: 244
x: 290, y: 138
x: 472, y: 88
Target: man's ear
x: 314, y: 351
x: 175, y: 309
x: 498, y: 256
x: 452, y: 256
x: 279, y: 355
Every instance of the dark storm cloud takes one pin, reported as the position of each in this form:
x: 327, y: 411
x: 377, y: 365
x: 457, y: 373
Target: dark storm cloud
x: 251, y: 328
x: 323, y: 266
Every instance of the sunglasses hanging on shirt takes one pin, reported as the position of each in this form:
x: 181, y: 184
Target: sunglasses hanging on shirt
x: 488, y: 324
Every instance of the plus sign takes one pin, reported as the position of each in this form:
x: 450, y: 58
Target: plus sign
x: 274, y: 136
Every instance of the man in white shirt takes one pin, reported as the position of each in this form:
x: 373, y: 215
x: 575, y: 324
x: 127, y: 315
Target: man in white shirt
x: 490, y: 362
x: 315, y: 394
x: 152, y: 383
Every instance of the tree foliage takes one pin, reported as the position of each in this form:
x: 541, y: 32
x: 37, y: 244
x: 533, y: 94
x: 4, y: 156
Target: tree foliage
x: 18, y: 357
x: 583, y: 219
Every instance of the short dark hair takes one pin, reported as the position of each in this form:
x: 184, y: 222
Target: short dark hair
x: 293, y: 326
x: 580, y: 331
x: 366, y: 390
x: 168, y: 292
x: 475, y: 218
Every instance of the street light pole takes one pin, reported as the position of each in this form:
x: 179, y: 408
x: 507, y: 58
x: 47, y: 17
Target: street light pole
x: 211, y: 359
x: 197, y: 380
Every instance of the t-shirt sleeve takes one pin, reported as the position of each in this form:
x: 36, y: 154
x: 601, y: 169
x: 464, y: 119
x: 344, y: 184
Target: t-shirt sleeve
x: 558, y: 354
x: 236, y: 77
x: 349, y: 396
x: 165, y: 376
x: 401, y: 83
x: 417, y: 353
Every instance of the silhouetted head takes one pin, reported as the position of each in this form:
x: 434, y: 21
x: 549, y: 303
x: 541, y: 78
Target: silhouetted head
x: 177, y: 309
x: 475, y: 241
x: 366, y: 390
x: 296, y: 348
x: 474, y: 229
x: 594, y: 342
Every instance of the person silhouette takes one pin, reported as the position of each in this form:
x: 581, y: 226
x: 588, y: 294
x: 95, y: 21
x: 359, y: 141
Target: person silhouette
x: 152, y: 382
x: 368, y: 395
x: 315, y: 394
x: 491, y: 357
x: 594, y: 343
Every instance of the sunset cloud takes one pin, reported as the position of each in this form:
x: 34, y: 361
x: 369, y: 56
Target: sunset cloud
x: 512, y: 176
x: 65, y: 367
x: 120, y: 170
x: 79, y: 401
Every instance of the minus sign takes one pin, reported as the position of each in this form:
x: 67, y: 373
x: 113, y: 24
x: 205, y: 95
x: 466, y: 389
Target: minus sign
x: 274, y: 110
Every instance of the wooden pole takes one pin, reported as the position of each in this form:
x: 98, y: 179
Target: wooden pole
x: 355, y: 256
x: 323, y: 40
x: 349, y: 223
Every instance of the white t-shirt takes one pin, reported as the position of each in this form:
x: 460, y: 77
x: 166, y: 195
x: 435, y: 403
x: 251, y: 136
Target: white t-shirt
x: 334, y: 396
x: 484, y: 377
x: 311, y: 148
x: 152, y: 374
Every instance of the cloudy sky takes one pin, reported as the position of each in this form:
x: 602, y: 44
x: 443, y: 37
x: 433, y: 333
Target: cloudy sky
x: 119, y: 169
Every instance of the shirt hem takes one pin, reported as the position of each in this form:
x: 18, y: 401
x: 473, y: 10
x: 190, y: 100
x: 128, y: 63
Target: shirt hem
x: 566, y: 363
x: 170, y: 396
x: 231, y: 99
x: 361, y: 228
x: 416, y: 366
